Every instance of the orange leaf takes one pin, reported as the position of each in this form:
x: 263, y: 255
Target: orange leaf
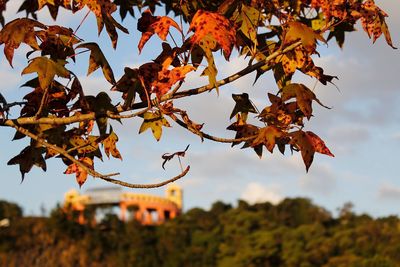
x: 206, y: 23
x: 149, y: 25
x: 167, y: 78
x: 81, y: 173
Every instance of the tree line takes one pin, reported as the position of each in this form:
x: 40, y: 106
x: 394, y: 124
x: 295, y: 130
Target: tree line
x: 294, y: 232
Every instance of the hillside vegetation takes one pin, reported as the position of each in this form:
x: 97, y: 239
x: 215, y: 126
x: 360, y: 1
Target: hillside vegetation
x: 293, y: 233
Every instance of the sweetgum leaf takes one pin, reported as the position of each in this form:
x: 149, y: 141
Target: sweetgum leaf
x: 299, y: 31
x: 205, y: 23
x: 110, y: 145
x: 267, y: 136
x: 46, y: 70
x: 318, y: 144
x: 167, y: 78
x: 300, y: 140
x: 149, y: 25
x: 155, y: 122
x: 80, y: 173
x: 97, y: 60
x: 28, y: 157
x: 304, y: 97
x: 249, y: 19
x: 19, y: 31
x: 243, y: 104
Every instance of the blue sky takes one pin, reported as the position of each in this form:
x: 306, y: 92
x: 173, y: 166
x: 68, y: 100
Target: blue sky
x: 362, y: 130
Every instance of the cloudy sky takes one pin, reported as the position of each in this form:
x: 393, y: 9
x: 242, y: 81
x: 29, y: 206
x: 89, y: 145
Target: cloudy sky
x: 362, y: 130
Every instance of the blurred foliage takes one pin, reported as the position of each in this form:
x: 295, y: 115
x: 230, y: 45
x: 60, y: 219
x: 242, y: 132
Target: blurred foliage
x: 294, y: 232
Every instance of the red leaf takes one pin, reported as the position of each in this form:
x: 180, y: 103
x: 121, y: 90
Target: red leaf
x: 149, y: 25
x: 318, y: 144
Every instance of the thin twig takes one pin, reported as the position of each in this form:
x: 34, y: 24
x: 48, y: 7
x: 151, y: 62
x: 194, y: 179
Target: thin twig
x: 147, y: 186
x: 211, y: 137
x: 42, y: 102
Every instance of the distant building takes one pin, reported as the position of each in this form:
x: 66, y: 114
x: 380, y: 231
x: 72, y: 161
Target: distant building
x: 145, y: 208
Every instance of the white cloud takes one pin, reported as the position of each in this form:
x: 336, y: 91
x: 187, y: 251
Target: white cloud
x: 257, y: 193
x: 389, y: 192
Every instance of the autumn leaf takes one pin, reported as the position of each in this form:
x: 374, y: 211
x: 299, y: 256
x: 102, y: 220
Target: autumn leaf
x: 42, y: 3
x: 80, y: 172
x: 303, y: 95
x: 208, y: 44
x: 97, y: 60
x: 167, y: 78
x: 267, y: 136
x: 294, y: 59
x: 46, y: 70
x: 149, y: 25
x: 110, y: 145
x: 300, y: 140
x: 318, y: 144
x: 28, y: 157
x: 154, y: 121
x: 85, y: 146
x: 308, y: 143
x: 19, y: 31
x: 243, y: 104
x: 373, y: 22
x: 205, y: 23
x: 249, y: 19
x: 299, y: 31
x: 103, y: 9
x: 125, y: 6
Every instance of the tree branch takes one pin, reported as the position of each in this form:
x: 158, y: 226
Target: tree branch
x: 90, y: 171
x: 229, y: 79
x: 114, y: 181
x: 210, y: 137
x: 68, y: 120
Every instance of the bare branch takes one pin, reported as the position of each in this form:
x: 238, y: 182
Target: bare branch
x: 69, y: 120
x: 114, y: 181
x: 210, y: 137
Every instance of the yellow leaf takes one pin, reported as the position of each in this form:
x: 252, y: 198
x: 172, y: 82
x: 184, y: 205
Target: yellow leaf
x: 46, y: 70
x: 299, y: 31
x: 110, y: 146
x: 44, y: 2
x: 208, y: 44
x: 154, y: 121
x: 250, y: 18
x: 85, y: 145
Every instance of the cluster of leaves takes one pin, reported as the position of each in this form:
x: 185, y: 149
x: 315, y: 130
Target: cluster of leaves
x: 294, y: 232
x: 277, y: 36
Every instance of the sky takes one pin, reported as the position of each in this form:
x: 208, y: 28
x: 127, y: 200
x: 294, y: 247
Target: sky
x: 362, y: 130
